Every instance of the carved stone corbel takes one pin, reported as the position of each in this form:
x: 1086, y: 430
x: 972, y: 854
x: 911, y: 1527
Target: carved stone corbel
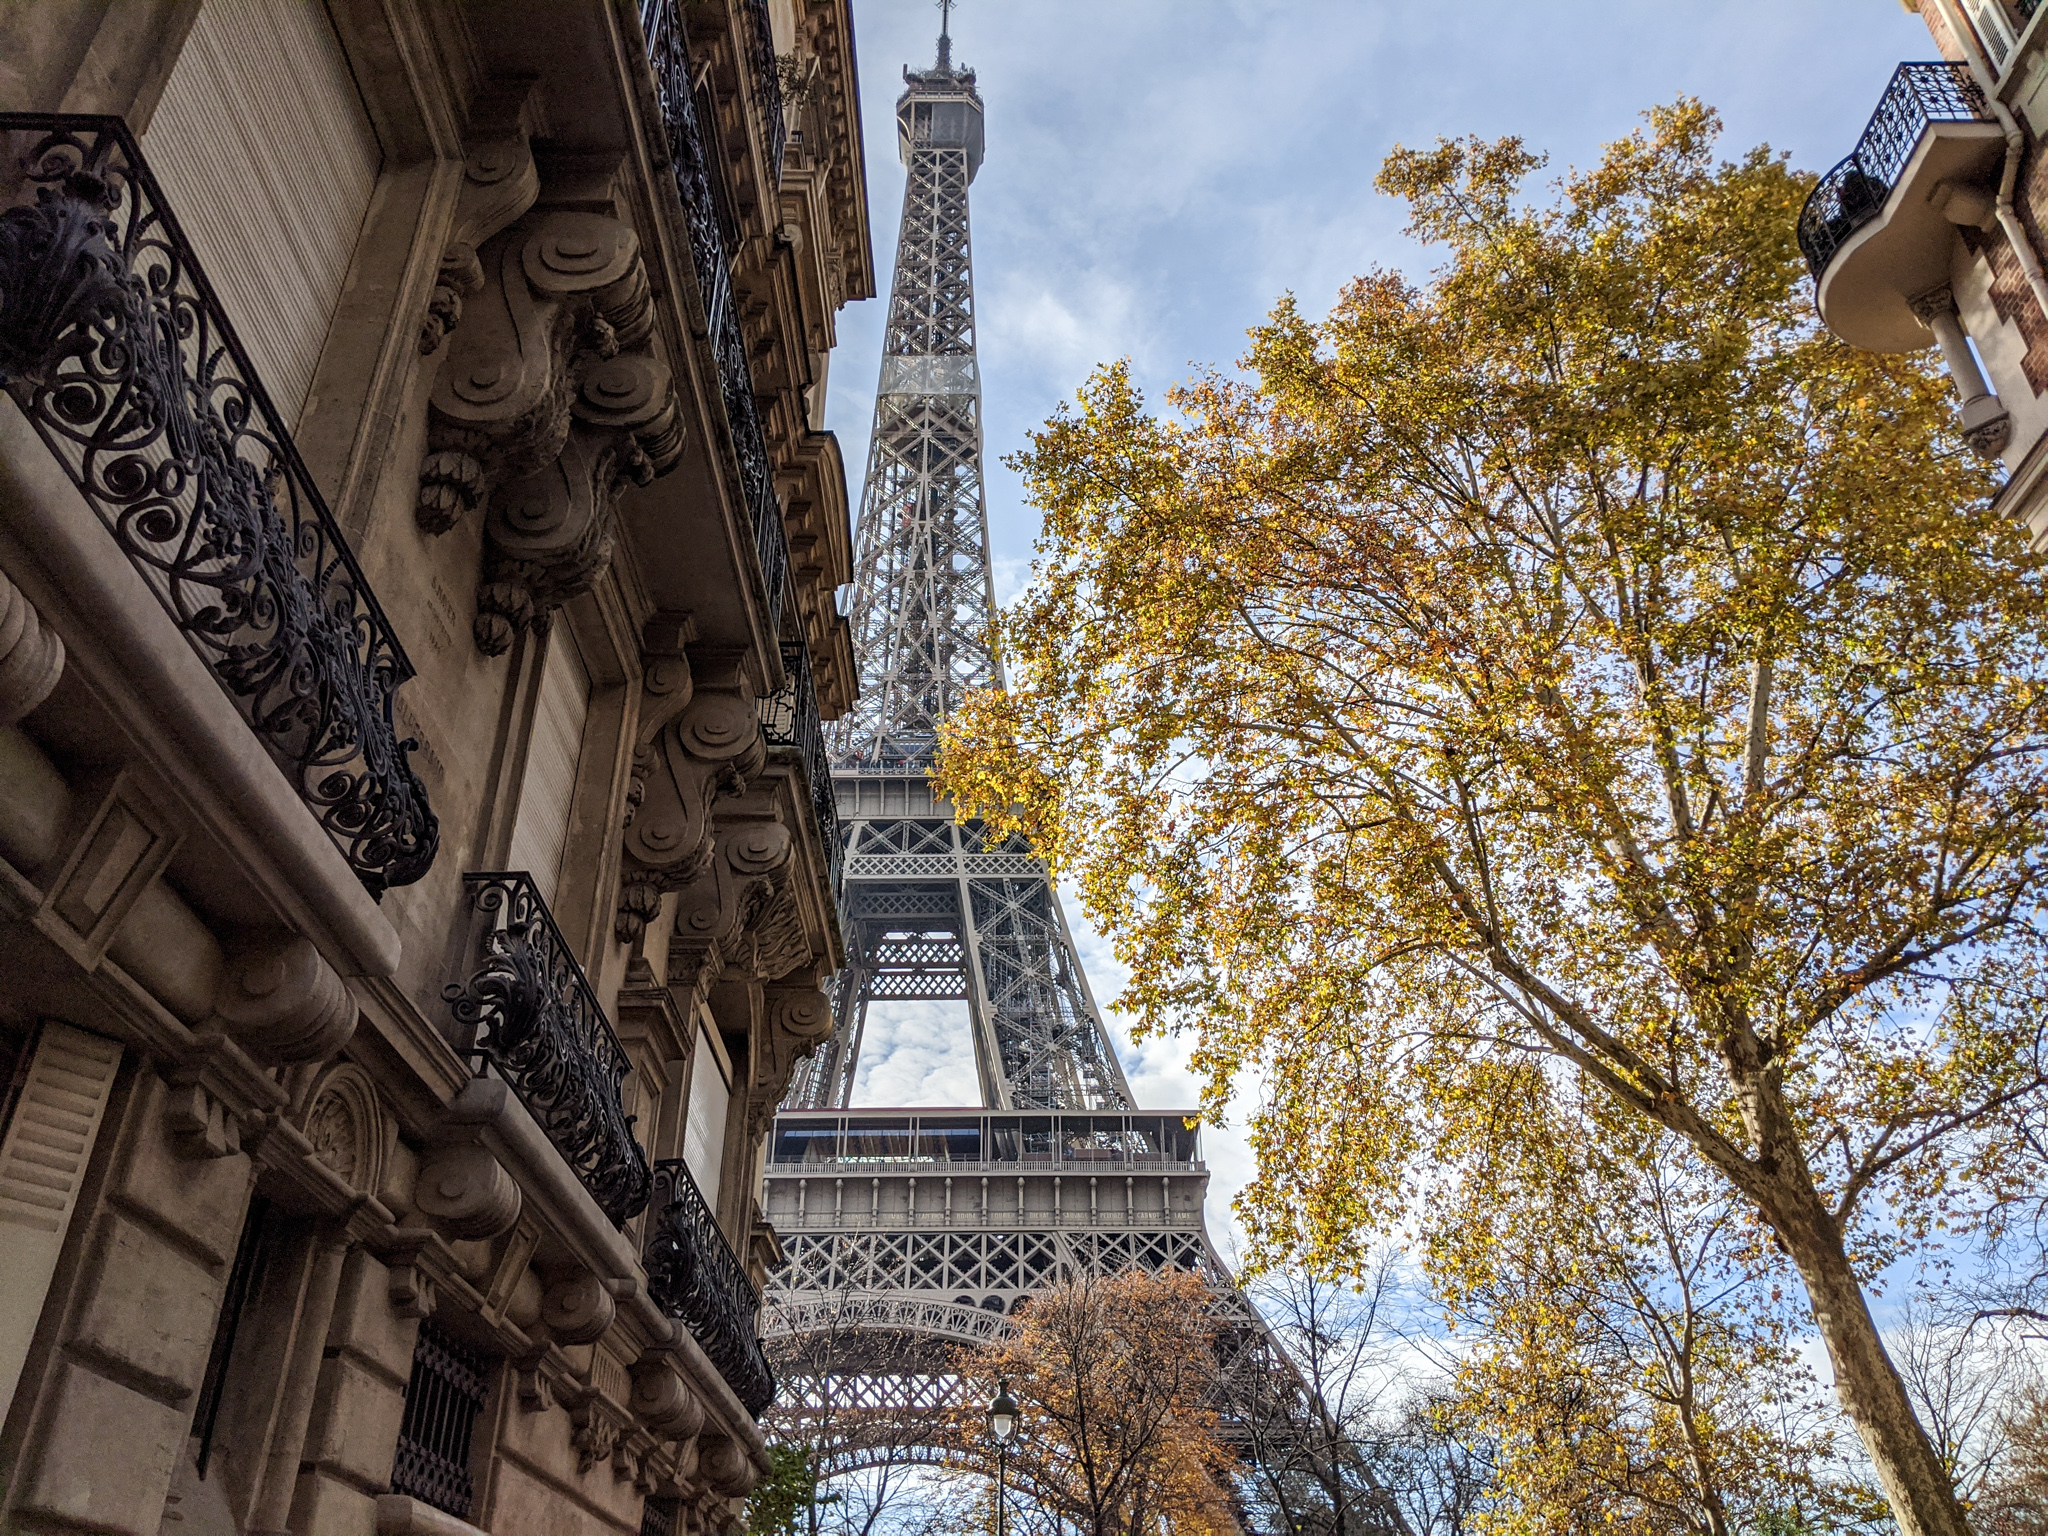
x: 795, y: 1021
x: 499, y: 183
x: 698, y: 741
x: 549, y: 400
x: 780, y: 945
x: 715, y: 909
x: 726, y: 1466
x: 283, y: 1002
x: 577, y: 1308
x: 661, y: 1401
x: 31, y: 657
x: 466, y: 1192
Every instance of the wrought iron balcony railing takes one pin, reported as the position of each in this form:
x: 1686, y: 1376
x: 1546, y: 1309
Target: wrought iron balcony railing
x: 767, y: 83
x: 1852, y: 194
x: 115, y: 347
x: 790, y: 719
x: 533, y: 1018
x: 668, y: 53
x: 695, y: 1277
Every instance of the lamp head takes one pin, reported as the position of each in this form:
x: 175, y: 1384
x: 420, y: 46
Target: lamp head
x: 1002, y: 1413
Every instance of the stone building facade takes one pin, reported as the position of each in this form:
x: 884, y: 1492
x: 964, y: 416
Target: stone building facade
x: 418, y: 865
x: 1933, y: 230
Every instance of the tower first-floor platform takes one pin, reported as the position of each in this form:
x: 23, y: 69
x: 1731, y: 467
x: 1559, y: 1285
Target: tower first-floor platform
x: 970, y: 1211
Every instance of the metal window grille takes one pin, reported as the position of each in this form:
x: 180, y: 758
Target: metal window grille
x: 658, y: 1518
x: 441, y: 1404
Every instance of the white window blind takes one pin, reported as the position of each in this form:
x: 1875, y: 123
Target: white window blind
x: 268, y: 161
x: 704, y: 1131
x: 541, y: 829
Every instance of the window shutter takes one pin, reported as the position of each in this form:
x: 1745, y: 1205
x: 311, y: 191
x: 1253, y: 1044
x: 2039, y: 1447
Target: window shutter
x: 268, y: 161
x: 42, y: 1164
x: 704, y: 1131
x: 541, y: 829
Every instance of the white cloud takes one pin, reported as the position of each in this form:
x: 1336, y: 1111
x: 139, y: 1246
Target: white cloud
x: 916, y: 1053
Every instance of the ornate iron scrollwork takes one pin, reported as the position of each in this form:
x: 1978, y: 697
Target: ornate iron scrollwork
x: 1854, y: 191
x: 790, y: 719
x: 695, y: 1277
x: 767, y: 83
x: 115, y: 347
x: 669, y: 55
x: 539, y: 1024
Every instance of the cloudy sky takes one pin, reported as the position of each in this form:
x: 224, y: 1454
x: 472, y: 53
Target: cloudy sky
x: 1160, y: 171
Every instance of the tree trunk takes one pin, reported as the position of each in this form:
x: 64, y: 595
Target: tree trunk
x: 1923, y: 1500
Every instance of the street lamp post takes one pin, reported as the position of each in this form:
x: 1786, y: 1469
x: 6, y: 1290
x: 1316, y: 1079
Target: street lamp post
x: 1002, y: 1423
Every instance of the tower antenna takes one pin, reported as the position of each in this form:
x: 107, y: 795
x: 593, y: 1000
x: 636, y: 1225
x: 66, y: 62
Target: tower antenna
x: 945, y: 36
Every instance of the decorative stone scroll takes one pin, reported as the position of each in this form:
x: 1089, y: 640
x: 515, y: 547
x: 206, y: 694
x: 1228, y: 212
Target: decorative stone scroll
x: 794, y: 1022
x: 31, y: 656
x: 549, y: 400
x: 716, y: 908
x: 499, y: 183
x: 699, y: 740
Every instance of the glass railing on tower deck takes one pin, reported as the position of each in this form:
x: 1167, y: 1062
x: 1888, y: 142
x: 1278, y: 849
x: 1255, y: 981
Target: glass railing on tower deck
x: 964, y: 1138
x: 117, y: 351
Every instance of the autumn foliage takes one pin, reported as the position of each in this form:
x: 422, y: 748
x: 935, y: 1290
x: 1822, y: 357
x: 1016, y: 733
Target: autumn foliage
x: 1116, y: 1378
x: 1575, y: 690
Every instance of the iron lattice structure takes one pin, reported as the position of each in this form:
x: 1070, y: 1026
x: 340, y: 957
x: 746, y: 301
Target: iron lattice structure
x: 912, y: 1233
x: 933, y: 912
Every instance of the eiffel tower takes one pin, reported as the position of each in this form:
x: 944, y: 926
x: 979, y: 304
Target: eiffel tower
x: 912, y: 1231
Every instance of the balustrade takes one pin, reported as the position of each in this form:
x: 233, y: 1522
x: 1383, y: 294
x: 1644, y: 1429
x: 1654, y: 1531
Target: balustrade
x: 695, y: 1277
x: 533, y: 1018
x: 114, y: 346
x: 695, y: 174
x: 1854, y: 191
x: 790, y: 719
x: 767, y: 84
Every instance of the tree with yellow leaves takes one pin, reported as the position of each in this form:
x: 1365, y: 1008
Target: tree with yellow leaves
x: 1580, y: 663
x: 1116, y: 1377
x: 1628, y: 1355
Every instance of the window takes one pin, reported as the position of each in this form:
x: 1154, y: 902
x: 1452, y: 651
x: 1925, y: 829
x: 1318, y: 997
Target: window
x: 878, y: 1140
x: 704, y: 1131
x: 441, y: 1404
x: 541, y: 830
x: 268, y: 160
x: 949, y: 1141
x: 807, y: 1141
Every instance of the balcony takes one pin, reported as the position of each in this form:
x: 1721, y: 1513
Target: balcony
x: 695, y: 1277
x: 527, y: 1012
x: 698, y: 182
x: 789, y: 719
x: 115, y: 348
x: 1879, y: 229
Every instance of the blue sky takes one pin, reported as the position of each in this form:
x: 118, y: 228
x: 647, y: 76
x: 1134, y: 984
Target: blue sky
x: 1159, y: 172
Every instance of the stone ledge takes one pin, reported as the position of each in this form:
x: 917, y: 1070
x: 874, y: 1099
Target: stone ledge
x: 398, y: 1515
x: 120, y: 641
